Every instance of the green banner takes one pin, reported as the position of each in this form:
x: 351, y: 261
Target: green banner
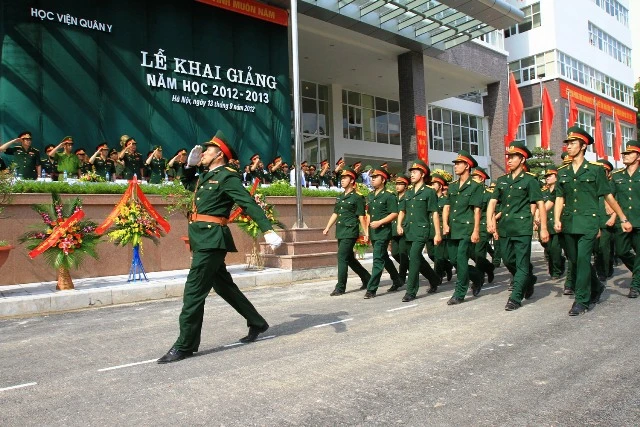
x: 167, y: 72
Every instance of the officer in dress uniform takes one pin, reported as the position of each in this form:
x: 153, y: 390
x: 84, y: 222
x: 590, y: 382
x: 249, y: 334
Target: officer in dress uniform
x: 25, y: 157
x: 416, y: 211
x: 325, y: 177
x: 382, y: 209
x: 580, y: 184
x: 626, y: 187
x: 349, y: 216
x: 275, y: 169
x: 441, y: 264
x: 48, y: 164
x: 215, y: 193
x: 133, y: 163
x: 462, y: 223
x: 157, y: 165
x: 516, y: 191
x: 175, y: 167
x: 102, y: 164
x: 604, y: 250
x: 552, y: 249
x: 85, y: 165
x: 481, y: 248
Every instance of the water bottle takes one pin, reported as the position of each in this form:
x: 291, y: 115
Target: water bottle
x: 43, y: 174
x: 107, y: 177
x: 166, y: 177
x: 65, y: 176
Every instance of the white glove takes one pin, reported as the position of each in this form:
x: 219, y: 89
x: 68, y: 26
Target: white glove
x: 194, y: 156
x: 272, y: 238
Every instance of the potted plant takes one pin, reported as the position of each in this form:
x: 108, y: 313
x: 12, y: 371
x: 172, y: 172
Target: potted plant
x: 64, y: 240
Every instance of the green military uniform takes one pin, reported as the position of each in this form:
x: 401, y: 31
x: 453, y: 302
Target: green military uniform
x: 349, y: 207
x: 464, y: 198
x: 381, y: 204
x: 441, y: 264
x: 326, y: 179
x: 418, y: 205
x: 399, y: 249
x: 313, y: 179
x: 157, y: 169
x: 216, y: 191
x: 515, y: 228
x: 277, y: 174
x: 69, y: 163
x: 176, y: 170
x: 481, y: 248
x: 26, y: 161
x: 626, y: 189
x: 49, y: 165
x: 553, y: 248
x: 104, y: 166
x: 581, y: 190
x: 604, y: 249
x: 133, y: 164
x: 85, y: 167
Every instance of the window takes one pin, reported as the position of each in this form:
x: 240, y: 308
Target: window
x: 453, y: 131
x: 579, y: 72
x: 609, y: 45
x: 609, y: 134
x: 529, y: 129
x: 494, y: 38
x: 531, y: 20
x: 628, y: 134
x: 615, y: 9
x: 587, y: 122
x: 534, y: 67
x: 369, y: 118
x: 315, y: 122
x: 444, y: 167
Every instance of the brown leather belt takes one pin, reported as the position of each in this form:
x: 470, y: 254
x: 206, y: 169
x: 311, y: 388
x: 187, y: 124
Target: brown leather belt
x: 208, y: 218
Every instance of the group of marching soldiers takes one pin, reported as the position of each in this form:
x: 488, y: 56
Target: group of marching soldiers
x: 584, y: 209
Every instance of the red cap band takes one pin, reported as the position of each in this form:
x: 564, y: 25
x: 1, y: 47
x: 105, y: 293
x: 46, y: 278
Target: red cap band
x: 220, y: 144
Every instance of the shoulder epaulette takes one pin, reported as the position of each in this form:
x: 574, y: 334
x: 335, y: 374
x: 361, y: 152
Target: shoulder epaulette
x: 489, y: 190
x: 532, y: 174
x: 619, y: 170
x: 564, y: 166
x: 389, y: 191
x: 230, y: 169
x: 597, y: 164
x: 359, y: 193
x: 455, y: 182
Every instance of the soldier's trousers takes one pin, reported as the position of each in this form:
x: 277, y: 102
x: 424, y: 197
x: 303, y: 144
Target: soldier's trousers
x: 579, y: 248
x: 440, y: 257
x: 460, y: 251
x: 553, y: 253
x: 381, y: 262
x: 400, y: 252
x: 417, y: 265
x: 480, y: 251
x: 604, y: 252
x: 208, y: 270
x: 496, y: 258
x: 625, y: 243
x: 516, y: 255
x: 346, y: 260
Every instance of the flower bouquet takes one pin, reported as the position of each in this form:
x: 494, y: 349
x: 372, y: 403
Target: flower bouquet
x: 91, y: 176
x: 361, y: 247
x: 132, y: 224
x: 255, y: 260
x: 64, y: 240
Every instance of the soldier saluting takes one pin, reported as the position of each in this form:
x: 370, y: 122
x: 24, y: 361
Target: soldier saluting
x: 215, y: 193
x: 580, y: 184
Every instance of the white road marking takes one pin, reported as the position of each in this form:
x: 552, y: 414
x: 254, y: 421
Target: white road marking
x: 241, y: 343
x: 402, y: 308
x: 490, y: 287
x: 332, y: 323
x: 127, y: 365
x: 17, y: 386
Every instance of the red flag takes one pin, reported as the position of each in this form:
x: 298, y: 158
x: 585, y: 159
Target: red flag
x: 617, y: 141
x: 515, y: 110
x: 573, y: 111
x: 598, y: 136
x: 547, y: 119
x: 422, y: 146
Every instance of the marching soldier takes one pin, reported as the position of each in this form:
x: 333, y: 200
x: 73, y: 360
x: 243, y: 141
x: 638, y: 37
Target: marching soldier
x: 579, y: 186
x: 462, y: 223
x: 399, y: 250
x: 157, y: 165
x: 349, y: 216
x: 133, y: 164
x: 101, y: 162
x: 441, y: 264
x: 382, y: 209
x: 516, y: 191
x: 626, y: 187
x: 553, y: 248
x: 416, y: 211
x: 481, y: 248
x: 25, y: 157
x: 604, y: 250
x: 215, y: 193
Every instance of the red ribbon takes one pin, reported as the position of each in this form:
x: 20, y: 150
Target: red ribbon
x: 58, y: 232
x: 114, y: 213
x: 152, y: 211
